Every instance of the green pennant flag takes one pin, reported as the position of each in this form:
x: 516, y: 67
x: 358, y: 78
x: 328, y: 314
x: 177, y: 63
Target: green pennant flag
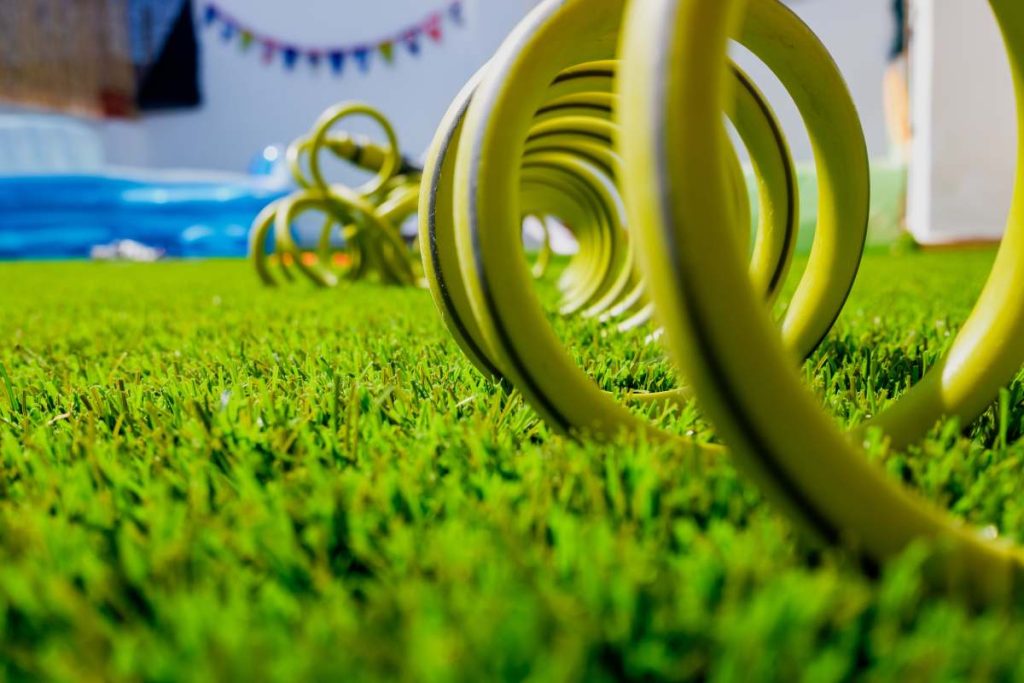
x: 245, y: 40
x: 387, y: 51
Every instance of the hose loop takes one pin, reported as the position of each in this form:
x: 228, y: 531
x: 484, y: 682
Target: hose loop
x: 619, y: 136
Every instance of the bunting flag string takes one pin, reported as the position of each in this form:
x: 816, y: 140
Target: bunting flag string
x: 291, y: 54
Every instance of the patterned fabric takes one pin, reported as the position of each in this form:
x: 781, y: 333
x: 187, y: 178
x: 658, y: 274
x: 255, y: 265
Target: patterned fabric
x: 97, y: 57
x: 68, y: 56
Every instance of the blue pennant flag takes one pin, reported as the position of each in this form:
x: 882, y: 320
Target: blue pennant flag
x: 362, y: 55
x: 210, y: 15
x: 337, y: 60
x: 412, y: 41
x: 455, y: 12
x: 291, y: 55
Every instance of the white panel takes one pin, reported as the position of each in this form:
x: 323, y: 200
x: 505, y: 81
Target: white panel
x: 964, y: 150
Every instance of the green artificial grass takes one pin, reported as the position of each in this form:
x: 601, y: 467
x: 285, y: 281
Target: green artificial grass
x: 203, y: 479
x: 888, y: 202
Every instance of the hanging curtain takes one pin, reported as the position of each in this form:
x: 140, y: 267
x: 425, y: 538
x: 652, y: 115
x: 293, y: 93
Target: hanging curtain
x: 149, y: 24
x: 166, y: 54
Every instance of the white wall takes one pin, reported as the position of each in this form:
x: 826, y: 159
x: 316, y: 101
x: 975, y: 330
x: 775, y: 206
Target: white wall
x: 858, y: 33
x: 964, y: 148
x: 249, y: 105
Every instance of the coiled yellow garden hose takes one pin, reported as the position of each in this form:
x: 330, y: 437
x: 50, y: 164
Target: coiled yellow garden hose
x: 769, y: 421
x: 368, y: 218
x: 620, y: 133
x: 486, y: 169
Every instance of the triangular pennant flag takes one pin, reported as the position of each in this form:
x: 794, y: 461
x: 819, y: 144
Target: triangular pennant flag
x: 455, y: 12
x: 337, y: 59
x: 432, y: 26
x: 412, y: 41
x: 362, y: 55
x: 291, y: 55
x: 269, y: 50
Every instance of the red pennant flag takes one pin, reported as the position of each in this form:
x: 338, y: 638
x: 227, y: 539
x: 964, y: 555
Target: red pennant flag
x: 269, y: 50
x: 432, y: 27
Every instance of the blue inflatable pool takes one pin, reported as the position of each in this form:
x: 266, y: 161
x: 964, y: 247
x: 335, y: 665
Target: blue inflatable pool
x: 62, y: 216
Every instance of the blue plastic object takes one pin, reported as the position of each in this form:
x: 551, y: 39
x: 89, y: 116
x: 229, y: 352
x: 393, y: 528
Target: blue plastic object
x: 62, y: 216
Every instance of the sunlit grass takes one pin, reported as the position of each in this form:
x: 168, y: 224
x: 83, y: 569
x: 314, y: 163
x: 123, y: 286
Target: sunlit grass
x: 201, y: 478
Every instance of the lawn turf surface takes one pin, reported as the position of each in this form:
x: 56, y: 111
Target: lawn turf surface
x: 204, y: 479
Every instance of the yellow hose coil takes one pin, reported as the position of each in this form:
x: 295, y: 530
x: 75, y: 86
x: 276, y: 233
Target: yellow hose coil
x: 619, y: 133
x: 367, y: 218
x: 772, y: 424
